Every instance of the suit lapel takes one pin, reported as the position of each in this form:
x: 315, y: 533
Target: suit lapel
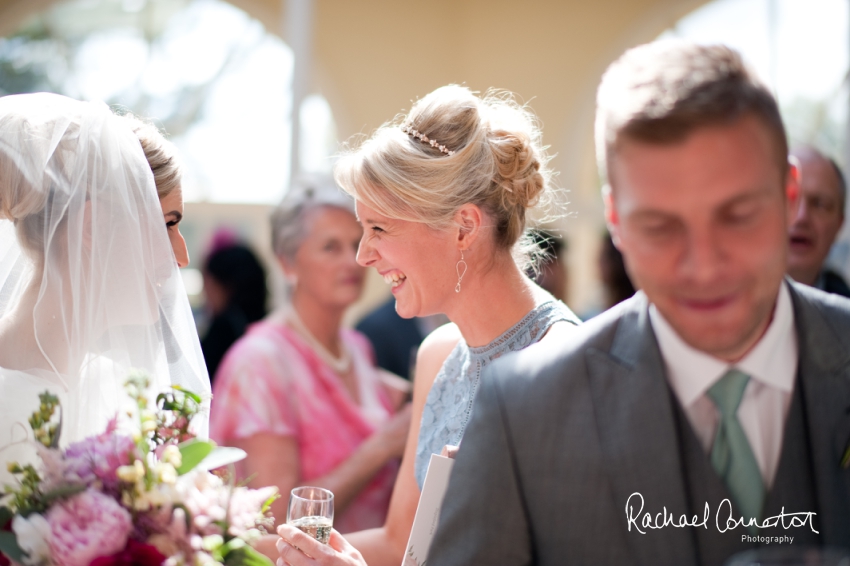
x: 637, y: 433
x: 823, y: 371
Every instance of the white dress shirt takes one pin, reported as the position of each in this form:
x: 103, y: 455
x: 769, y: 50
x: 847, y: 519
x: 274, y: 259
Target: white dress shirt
x: 771, y: 365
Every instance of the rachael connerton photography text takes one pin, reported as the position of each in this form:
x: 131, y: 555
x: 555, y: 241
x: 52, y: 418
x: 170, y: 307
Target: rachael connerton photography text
x: 724, y: 519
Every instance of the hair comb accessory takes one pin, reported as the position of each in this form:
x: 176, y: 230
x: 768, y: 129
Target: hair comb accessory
x: 422, y: 137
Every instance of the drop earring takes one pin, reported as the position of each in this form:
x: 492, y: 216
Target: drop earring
x: 461, y: 271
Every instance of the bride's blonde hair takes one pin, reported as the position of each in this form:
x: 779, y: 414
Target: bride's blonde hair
x: 160, y: 153
x: 453, y: 148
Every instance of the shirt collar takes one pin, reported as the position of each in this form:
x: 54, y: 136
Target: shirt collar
x: 772, y: 361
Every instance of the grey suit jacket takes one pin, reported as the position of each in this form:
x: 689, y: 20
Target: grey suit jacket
x: 562, y: 436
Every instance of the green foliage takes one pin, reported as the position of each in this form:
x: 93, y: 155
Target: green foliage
x: 245, y: 556
x: 9, y: 547
x: 267, y: 504
x: 45, y: 428
x: 6, y: 517
x: 27, y: 498
x: 222, y: 456
x: 192, y: 453
x: 177, y: 408
x: 62, y: 493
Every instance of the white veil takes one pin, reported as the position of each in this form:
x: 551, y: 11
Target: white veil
x: 87, y: 272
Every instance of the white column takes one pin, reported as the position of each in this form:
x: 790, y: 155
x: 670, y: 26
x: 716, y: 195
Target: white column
x: 773, y: 35
x: 846, y: 164
x: 298, y: 30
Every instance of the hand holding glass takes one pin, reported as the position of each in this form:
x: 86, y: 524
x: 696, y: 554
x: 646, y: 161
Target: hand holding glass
x: 311, y: 509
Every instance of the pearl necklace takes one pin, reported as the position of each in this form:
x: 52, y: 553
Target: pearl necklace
x: 340, y: 365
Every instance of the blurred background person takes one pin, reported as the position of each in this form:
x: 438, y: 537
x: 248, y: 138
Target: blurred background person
x: 615, y: 281
x: 299, y: 393
x: 395, y: 339
x: 551, y: 270
x: 820, y: 214
x: 235, y: 292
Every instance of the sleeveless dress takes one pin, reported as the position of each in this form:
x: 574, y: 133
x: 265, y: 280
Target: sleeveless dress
x: 272, y: 381
x: 449, y: 403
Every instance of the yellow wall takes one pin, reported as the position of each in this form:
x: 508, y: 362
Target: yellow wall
x: 373, y: 57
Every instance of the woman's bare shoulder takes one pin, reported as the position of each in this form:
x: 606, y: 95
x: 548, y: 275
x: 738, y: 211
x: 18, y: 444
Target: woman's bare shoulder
x: 433, y: 352
x: 440, y: 342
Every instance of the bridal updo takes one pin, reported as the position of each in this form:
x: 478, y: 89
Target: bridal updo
x: 160, y: 154
x: 23, y: 196
x: 26, y: 192
x: 453, y: 148
x: 23, y: 190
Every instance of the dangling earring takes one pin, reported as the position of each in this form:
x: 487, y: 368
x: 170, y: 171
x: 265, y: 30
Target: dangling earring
x: 461, y: 271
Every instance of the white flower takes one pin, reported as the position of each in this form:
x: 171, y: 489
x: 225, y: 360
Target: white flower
x: 131, y: 474
x: 157, y: 497
x: 166, y: 473
x: 33, y: 534
x: 172, y: 456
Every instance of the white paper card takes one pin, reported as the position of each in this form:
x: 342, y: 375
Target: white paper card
x: 428, y: 511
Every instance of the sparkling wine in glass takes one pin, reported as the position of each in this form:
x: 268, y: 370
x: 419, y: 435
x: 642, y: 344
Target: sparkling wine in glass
x: 311, y: 509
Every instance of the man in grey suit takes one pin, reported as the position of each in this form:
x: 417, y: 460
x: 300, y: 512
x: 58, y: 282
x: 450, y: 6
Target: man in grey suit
x: 710, y: 413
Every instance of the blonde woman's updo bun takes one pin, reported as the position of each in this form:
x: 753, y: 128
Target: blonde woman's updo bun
x: 453, y: 148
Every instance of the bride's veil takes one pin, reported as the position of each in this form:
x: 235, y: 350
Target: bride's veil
x: 86, y: 267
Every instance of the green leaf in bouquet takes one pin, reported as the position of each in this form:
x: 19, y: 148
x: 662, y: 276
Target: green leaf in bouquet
x: 57, y: 432
x: 9, y: 547
x: 46, y: 429
x: 192, y: 453
x: 165, y: 401
x: 221, y: 456
x: 62, y: 493
x: 267, y: 504
x: 6, y: 516
x: 191, y: 395
x: 245, y: 555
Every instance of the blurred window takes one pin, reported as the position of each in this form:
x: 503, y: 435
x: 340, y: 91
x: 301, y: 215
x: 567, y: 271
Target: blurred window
x: 204, y: 70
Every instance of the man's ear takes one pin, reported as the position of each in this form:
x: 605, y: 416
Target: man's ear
x: 469, y: 220
x: 612, y: 220
x: 792, y: 188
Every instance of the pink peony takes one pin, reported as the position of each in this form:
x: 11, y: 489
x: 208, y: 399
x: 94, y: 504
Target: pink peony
x: 205, y: 497
x: 98, y: 457
x: 87, y: 526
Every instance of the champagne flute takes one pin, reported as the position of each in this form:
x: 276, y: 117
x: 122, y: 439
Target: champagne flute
x: 311, y: 509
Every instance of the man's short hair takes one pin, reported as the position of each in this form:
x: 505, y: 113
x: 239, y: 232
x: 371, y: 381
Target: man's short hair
x: 842, y: 184
x: 660, y: 92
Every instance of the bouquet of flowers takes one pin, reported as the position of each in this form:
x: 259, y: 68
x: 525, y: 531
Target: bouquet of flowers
x: 144, y: 499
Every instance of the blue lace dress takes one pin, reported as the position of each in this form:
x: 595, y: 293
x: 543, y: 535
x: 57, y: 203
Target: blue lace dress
x: 449, y: 404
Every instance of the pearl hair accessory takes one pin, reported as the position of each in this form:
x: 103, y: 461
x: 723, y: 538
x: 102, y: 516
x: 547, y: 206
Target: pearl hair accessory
x: 433, y: 143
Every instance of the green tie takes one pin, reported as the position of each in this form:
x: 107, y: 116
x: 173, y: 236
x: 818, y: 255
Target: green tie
x: 731, y: 456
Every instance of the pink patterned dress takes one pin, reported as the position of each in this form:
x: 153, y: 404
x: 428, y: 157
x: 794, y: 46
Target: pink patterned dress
x: 271, y: 381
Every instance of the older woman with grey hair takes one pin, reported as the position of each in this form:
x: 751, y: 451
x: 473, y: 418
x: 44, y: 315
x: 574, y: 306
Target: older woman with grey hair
x: 299, y: 393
